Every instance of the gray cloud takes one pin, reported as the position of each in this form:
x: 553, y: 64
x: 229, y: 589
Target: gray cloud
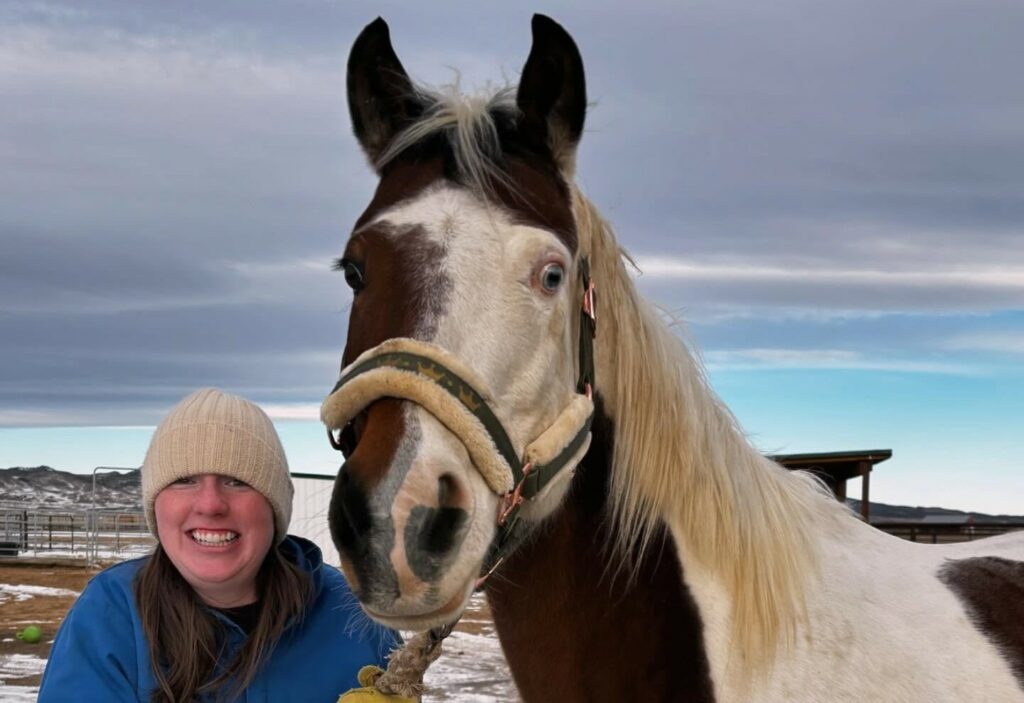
x: 177, y: 177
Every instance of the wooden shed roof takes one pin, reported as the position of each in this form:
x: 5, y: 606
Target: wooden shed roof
x: 840, y: 466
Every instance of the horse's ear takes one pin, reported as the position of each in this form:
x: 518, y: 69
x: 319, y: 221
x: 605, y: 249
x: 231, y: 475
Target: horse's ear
x: 381, y: 99
x: 552, y: 96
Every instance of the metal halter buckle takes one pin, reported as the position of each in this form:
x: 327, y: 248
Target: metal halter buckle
x: 514, y: 498
x: 335, y: 441
x: 588, y: 301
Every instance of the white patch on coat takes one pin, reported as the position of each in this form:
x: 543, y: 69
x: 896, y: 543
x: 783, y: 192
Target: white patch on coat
x: 882, y: 628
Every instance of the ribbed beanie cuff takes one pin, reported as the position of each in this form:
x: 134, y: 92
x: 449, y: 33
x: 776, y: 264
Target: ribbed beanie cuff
x: 212, y: 432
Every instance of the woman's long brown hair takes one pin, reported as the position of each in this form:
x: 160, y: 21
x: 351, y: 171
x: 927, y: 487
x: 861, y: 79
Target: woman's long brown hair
x: 186, y: 640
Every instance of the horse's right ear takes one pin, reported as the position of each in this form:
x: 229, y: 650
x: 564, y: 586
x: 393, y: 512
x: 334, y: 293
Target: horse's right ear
x: 381, y: 99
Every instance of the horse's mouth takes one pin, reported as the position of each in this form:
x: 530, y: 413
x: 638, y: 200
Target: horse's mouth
x: 447, y: 613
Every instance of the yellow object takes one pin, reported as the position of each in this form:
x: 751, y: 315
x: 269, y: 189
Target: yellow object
x: 367, y: 693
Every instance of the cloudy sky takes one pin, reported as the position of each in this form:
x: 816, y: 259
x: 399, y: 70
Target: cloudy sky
x: 830, y: 194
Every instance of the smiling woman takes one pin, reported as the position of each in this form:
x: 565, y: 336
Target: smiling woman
x: 228, y: 606
x: 216, y: 530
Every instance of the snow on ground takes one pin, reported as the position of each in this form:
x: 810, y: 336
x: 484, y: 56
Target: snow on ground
x: 23, y: 592
x: 471, y: 669
x: 18, y: 694
x: 103, y: 554
x: 14, y: 666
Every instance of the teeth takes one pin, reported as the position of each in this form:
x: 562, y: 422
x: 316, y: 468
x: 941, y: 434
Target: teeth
x: 208, y: 537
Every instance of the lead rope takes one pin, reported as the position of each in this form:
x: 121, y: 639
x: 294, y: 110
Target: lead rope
x: 406, y: 666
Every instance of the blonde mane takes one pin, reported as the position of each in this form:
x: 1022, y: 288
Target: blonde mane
x: 680, y: 459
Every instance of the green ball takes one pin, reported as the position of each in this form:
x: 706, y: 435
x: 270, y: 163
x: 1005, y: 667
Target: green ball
x: 31, y: 634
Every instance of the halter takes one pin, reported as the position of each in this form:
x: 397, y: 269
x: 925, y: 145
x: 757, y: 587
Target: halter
x: 450, y: 390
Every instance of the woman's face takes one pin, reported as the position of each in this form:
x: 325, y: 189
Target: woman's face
x: 216, y: 531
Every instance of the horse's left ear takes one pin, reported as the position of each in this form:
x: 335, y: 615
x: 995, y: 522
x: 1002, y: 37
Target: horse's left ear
x: 552, y: 96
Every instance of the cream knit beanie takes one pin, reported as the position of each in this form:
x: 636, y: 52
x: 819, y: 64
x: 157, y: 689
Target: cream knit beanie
x: 212, y: 432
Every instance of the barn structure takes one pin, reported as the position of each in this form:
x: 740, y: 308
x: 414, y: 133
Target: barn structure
x: 836, y: 468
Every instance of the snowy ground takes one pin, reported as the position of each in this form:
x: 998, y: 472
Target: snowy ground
x: 22, y: 592
x: 17, y: 666
x: 471, y: 668
x: 104, y: 554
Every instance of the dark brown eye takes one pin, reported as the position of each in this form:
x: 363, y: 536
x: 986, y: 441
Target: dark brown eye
x: 353, y: 275
x: 551, y: 277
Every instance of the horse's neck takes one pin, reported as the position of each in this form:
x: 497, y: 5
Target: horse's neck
x: 576, y: 627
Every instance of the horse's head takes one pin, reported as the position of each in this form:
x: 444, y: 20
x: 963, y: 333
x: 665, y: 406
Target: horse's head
x: 466, y: 273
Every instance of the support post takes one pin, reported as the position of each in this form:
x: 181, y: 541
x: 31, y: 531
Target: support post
x: 865, y: 475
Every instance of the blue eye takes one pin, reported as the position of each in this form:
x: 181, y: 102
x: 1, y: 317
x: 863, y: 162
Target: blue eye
x: 551, y: 277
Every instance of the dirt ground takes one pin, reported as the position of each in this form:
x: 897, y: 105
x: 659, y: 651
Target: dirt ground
x: 45, y: 611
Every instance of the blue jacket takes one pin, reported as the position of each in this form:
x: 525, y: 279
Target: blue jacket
x: 101, y: 654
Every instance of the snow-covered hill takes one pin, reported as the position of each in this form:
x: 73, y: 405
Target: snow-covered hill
x: 43, y: 487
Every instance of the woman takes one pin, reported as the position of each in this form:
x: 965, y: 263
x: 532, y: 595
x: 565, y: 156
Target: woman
x: 228, y: 606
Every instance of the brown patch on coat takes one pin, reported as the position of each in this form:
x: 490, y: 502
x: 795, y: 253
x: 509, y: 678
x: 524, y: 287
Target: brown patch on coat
x: 402, y: 180
x: 576, y: 630
x: 405, y: 289
x: 992, y: 591
x: 405, y: 292
x: 540, y: 198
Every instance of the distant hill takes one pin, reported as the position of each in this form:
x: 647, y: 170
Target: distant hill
x: 881, y: 512
x: 37, y: 487
x: 44, y: 487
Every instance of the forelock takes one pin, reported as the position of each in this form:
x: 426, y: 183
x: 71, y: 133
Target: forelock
x: 469, y: 128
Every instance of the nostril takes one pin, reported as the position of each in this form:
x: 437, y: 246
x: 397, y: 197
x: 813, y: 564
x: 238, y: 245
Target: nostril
x: 349, y: 515
x: 441, y: 525
x: 448, y: 493
x: 437, y: 529
x: 440, y: 529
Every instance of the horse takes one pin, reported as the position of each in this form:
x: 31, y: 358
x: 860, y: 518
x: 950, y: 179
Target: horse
x: 516, y: 415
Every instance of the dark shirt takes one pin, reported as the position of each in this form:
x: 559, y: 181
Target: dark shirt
x: 245, y: 616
